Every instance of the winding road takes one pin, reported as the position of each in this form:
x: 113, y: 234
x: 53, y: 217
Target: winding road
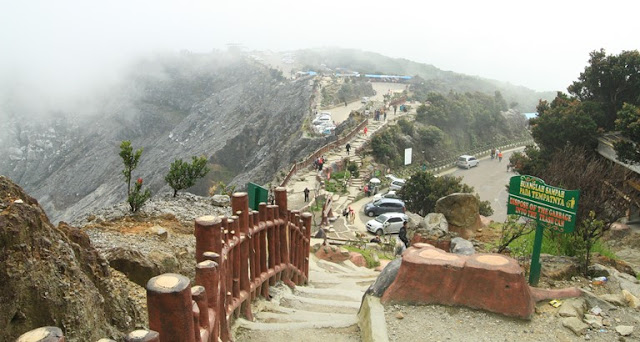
x: 489, y: 179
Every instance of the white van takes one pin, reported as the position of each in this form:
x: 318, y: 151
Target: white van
x: 467, y: 161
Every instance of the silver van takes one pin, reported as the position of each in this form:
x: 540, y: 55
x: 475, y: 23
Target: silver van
x: 467, y: 161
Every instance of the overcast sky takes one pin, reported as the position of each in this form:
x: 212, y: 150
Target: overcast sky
x: 539, y: 44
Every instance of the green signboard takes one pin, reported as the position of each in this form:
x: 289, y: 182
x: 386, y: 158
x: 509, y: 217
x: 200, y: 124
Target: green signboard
x: 530, y: 197
x: 257, y: 195
x: 551, y: 207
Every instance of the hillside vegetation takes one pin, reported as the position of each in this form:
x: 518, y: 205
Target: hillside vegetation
x: 450, y: 124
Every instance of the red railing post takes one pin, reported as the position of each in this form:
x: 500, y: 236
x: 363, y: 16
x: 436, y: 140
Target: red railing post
x: 207, y: 232
x: 271, y: 242
x: 171, y: 307
x: 253, y: 252
x: 281, y: 202
x: 225, y: 281
x: 240, y: 205
x: 264, y: 233
x: 207, y: 275
x: 306, y: 221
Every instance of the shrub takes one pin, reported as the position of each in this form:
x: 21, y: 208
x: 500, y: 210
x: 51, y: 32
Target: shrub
x: 183, y: 175
x: 137, y: 197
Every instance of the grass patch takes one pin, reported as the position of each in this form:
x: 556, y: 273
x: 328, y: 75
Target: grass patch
x: 318, y: 204
x: 555, y: 246
x: 366, y: 253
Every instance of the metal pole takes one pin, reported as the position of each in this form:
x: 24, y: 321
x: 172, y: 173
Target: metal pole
x: 534, y: 271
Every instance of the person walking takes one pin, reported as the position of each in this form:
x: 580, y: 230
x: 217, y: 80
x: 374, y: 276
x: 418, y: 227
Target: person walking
x: 306, y: 194
x: 402, y: 234
x: 500, y: 156
x: 385, y: 115
x: 365, y: 131
x: 348, y: 148
x: 493, y: 153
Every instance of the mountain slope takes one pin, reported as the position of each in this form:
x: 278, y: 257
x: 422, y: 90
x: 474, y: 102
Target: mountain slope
x: 174, y: 107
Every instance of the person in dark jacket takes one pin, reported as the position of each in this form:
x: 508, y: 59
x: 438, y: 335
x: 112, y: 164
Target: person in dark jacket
x: 402, y: 234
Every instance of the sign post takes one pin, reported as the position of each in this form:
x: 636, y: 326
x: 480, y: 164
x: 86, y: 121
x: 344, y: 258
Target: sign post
x: 549, y: 206
x: 257, y: 194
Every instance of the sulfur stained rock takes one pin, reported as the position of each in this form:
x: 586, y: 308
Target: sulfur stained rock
x: 52, y: 276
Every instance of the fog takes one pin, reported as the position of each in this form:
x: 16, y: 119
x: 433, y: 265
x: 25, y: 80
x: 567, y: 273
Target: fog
x: 60, y: 50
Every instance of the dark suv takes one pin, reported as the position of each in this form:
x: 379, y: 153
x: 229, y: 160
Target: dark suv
x: 384, y: 205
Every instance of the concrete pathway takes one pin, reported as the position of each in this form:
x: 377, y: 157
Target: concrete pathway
x: 325, y: 310
x: 340, y: 228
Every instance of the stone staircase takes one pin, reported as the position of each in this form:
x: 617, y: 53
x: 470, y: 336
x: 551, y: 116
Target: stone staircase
x: 325, y: 310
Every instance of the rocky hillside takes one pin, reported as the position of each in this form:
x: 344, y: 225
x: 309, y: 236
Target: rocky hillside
x: 245, y: 117
x: 54, y: 276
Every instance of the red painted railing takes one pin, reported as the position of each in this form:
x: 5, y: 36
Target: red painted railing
x: 239, y: 258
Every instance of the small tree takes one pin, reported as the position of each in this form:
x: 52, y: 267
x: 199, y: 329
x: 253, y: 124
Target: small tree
x: 137, y: 197
x: 130, y: 161
x: 511, y: 230
x: 183, y: 175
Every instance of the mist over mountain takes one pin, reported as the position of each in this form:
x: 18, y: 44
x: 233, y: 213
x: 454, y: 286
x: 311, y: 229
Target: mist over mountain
x: 239, y: 112
x: 174, y: 106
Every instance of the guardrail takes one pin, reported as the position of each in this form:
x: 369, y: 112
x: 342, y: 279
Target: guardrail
x: 478, y: 152
x: 239, y: 258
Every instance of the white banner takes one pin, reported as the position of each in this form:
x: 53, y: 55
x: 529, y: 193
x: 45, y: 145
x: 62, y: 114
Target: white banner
x: 407, y: 156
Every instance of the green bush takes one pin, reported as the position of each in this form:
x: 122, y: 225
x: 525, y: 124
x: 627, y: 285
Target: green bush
x: 366, y: 253
x: 137, y: 197
x: 183, y: 175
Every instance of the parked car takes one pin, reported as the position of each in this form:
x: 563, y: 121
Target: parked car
x: 364, y: 100
x: 394, y: 178
x: 389, y: 223
x: 396, y: 185
x: 322, y: 119
x: 467, y: 162
x: 389, y: 194
x: 384, y: 205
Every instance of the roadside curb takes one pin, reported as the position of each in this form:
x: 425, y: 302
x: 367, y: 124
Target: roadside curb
x: 373, y: 326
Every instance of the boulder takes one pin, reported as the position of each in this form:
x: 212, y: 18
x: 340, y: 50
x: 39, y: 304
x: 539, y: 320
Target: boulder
x: 558, y: 267
x: 614, y: 298
x: 333, y: 253
x: 593, y: 321
x: 462, y: 213
x: 631, y: 300
x: 462, y: 246
x: 624, y: 330
x: 575, y: 324
x: 386, y: 277
x: 597, y: 270
x: 573, y: 307
x: 435, y: 224
x: 160, y: 232
x: 357, y: 259
x: 627, y: 282
x: 165, y: 262
x: 220, y: 200
x: 415, y: 221
x: 133, y: 264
